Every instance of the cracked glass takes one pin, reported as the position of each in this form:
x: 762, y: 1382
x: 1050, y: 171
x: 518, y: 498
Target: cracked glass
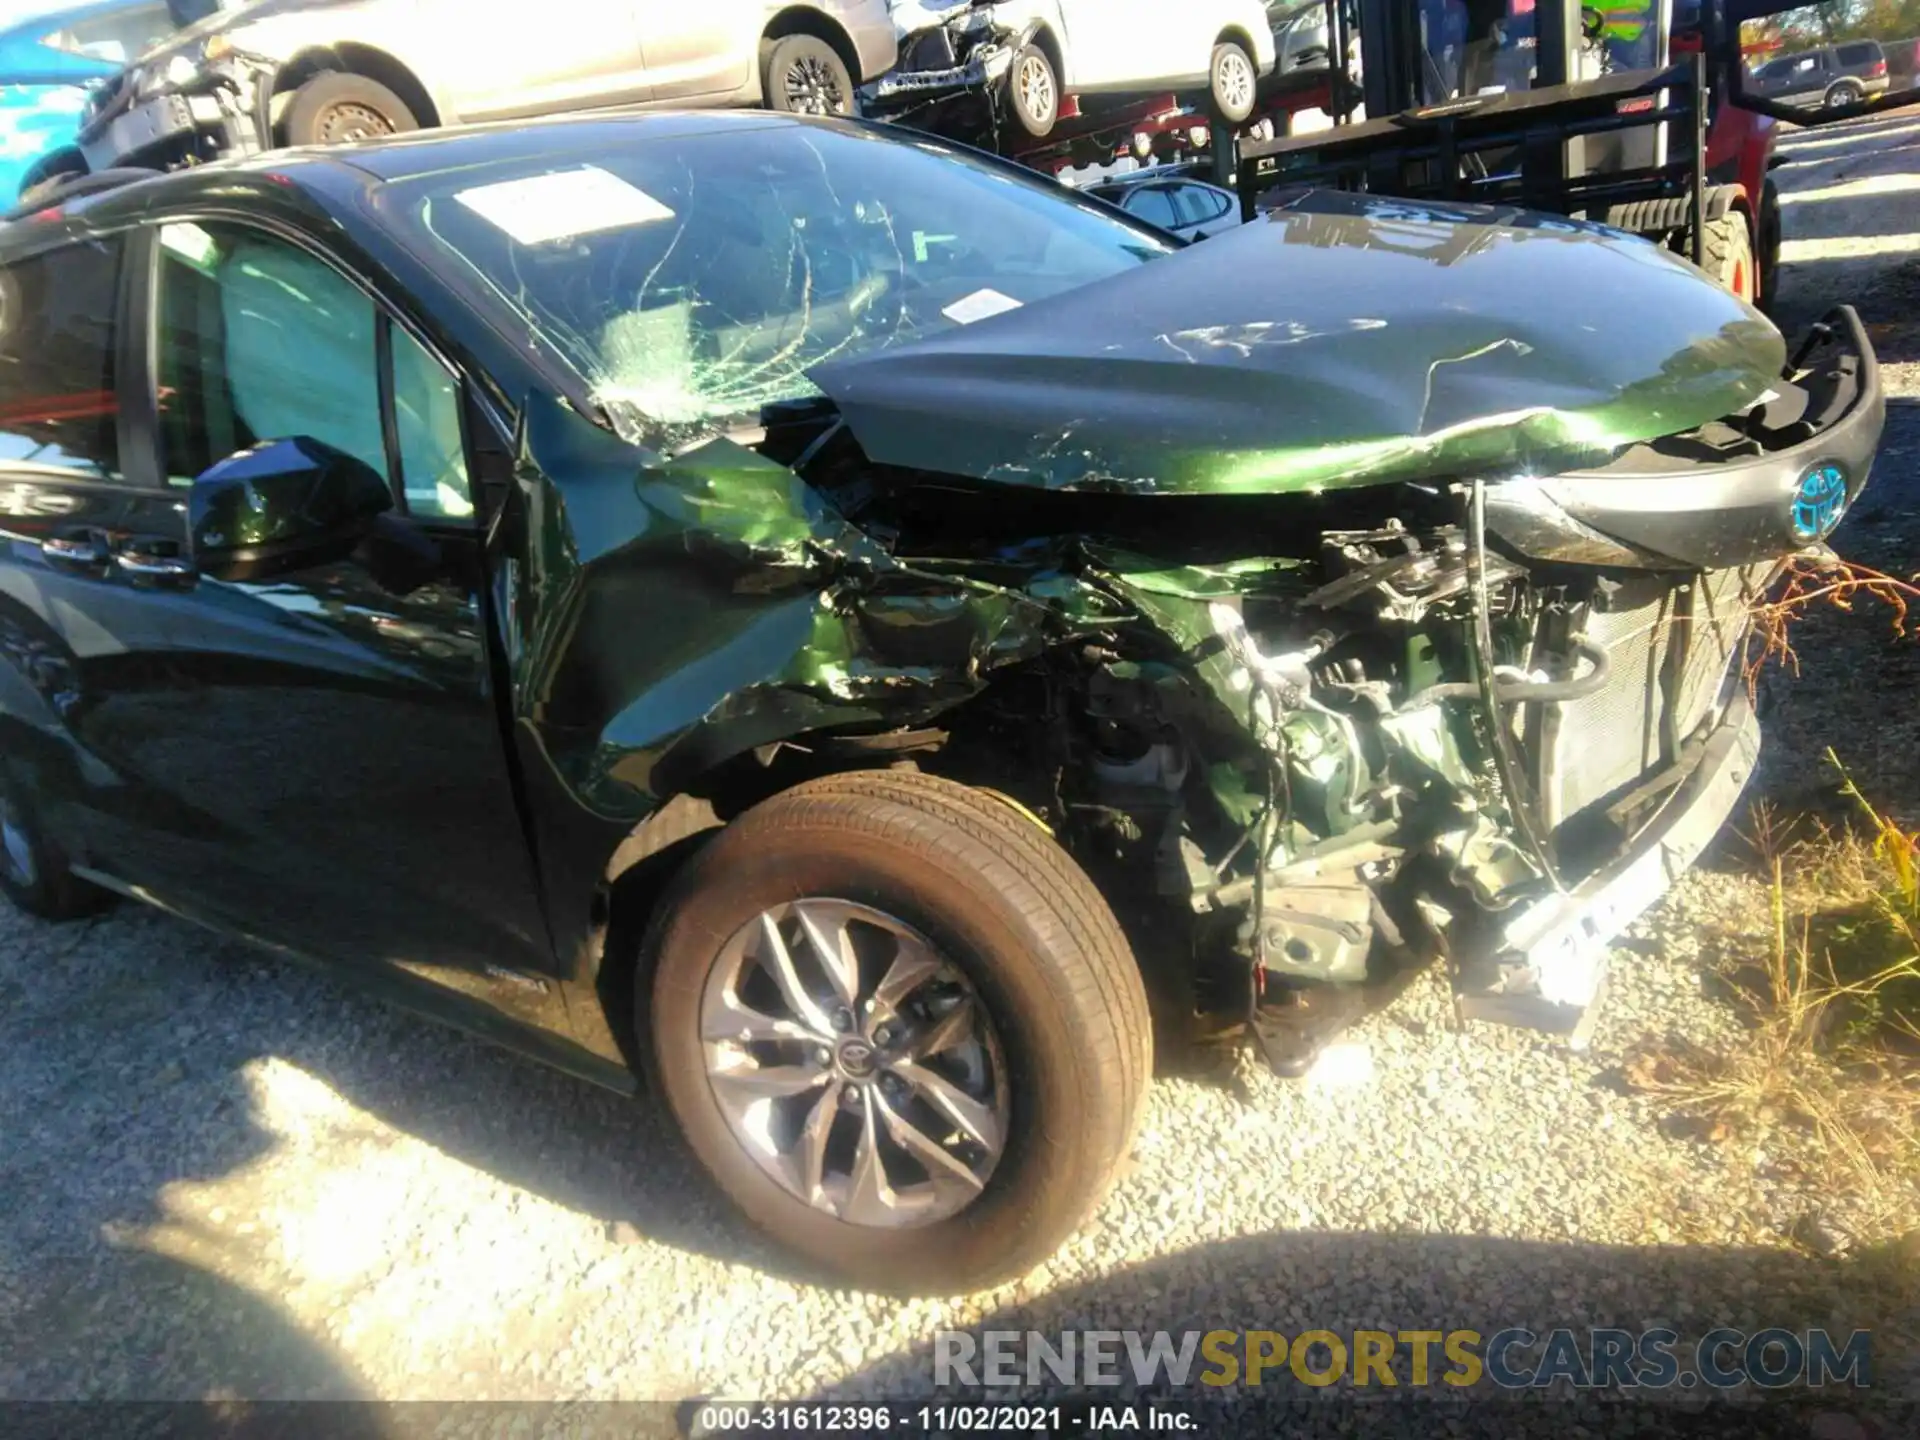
x: 695, y: 279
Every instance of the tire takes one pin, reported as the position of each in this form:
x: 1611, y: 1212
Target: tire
x: 1015, y: 916
x: 33, y: 869
x: 335, y: 108
x: 1233, y: 84
x: 1728, y: 255
x: 1769, y: 258
x: 806, y: 76
x: 1033, y: 92
x: 1844, y: 92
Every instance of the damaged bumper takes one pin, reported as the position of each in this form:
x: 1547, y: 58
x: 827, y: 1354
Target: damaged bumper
x: 161, y: 123
x: 984, y: 68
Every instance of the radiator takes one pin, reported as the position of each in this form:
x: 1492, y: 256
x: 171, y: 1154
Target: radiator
x: 1609, y: 740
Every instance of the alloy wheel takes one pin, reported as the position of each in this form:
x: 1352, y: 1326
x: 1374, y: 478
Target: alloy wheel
x: 1234, y: 82
x: 1034, y: 84
x: 812, y: 88
x: 855, y: 1063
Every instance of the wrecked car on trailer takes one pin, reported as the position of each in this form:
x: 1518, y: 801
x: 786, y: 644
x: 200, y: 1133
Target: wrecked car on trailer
x: 859, y: 547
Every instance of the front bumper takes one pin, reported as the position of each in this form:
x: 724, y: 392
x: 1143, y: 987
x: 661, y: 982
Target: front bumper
x: 987, y: 66
x: 1548, y: 968
x: 1710, y: 512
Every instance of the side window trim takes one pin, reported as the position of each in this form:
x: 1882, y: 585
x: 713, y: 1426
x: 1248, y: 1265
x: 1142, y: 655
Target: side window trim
x: 136, y: 334
x: 385, y: 315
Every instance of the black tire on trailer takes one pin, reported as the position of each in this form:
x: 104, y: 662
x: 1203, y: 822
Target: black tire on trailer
x: 1233, y: 84
x: 1033, y: 91
x: 1054, y: 1048
x: 806, y: 76
x: 34, y: 871
x: 1728, y: 254
x: 336, y: 108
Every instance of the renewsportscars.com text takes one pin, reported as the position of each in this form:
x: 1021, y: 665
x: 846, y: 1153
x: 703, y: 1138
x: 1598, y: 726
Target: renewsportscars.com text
x: 1511, y: 1359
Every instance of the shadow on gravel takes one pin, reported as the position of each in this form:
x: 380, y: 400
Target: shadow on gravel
x: 1294, y: 1282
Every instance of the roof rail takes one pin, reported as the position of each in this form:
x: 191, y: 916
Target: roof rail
x: 73, y: 187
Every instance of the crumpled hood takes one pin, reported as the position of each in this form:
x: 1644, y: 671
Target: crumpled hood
x: 1341, y: 341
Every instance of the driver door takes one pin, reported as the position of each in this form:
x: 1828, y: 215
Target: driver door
x: 317, y: 759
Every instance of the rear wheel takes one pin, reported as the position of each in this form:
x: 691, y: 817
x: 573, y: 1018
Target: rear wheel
x: 1033, y: 91
x: 1234, y: 83
x: 900, y: 1028
x: 806, y: 76
x: 1728, y: 255
x: 33, y: 868
x: 1845, y: 92
x: 335, y: 108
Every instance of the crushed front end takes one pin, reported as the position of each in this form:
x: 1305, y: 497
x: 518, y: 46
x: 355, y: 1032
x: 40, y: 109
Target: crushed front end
x: 948, y: 51
x: 1336, y: 602
x: 195, y: 100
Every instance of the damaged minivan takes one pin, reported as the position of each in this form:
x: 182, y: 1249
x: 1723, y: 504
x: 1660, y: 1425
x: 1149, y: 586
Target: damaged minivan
x: 872, y: 641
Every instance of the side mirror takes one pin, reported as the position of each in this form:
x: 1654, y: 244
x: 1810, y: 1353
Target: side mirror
x: 283, y: 505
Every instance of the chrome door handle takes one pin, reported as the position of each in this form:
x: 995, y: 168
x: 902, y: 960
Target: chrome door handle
x: 154, y: 569
x: 83, y: 552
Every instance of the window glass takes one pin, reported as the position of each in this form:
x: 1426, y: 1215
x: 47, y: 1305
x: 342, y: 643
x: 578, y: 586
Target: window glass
x: 1153, y: 205
x: 1858, y: 54
x: 1198, y: 205
x: 426, y: 410
x: 58, y: 404
x: 701, y: 276
x: 260, y: 340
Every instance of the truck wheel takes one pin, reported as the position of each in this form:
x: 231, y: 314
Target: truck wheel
x: 1234, y: 83
x: 1034, y: 90
x: 1844, y: 92
x: 49, y: 175
x: 1768, y: 259
x: 900, y: 1028
x: 33, y: 868
x: 1728, y: 254
x: 806, y: 76
x: 335, y: 108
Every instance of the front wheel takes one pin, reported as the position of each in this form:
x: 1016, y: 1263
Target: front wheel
x: 1728, y: 255
x: 1033, y: 88
x: 900, y: 1028
x: 34, y: 873
x: 1233, y: 84
x: 806, y: 76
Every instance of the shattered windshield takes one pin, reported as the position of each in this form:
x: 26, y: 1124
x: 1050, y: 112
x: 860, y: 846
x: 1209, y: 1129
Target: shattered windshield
x: 693, y: 279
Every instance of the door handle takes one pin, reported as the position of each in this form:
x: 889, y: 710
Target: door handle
x: 154, y: 571
x: 84, y: 554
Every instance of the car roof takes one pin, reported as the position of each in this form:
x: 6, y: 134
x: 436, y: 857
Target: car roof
x: 558, y: 138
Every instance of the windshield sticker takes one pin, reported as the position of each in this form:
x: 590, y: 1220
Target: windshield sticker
x: 979, y: 305
x: 564, y: 204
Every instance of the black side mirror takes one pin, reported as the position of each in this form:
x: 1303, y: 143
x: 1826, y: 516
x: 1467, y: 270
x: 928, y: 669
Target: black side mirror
x: 283, y: 505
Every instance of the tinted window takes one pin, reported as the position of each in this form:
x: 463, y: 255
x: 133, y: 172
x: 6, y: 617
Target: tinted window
x: 1859, y: 54
x: 1198, y: 205
x: 261, y: 340
x: 696, y: 277
x: 57, y: 400
x: 1154, y: 205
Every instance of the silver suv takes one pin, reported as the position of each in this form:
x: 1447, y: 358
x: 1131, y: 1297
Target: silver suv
x: 306, y: 72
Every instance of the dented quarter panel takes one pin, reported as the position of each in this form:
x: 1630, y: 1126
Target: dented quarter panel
x: 1347, y: 343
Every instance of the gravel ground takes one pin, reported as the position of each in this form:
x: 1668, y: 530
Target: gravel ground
x: 225, y: 1176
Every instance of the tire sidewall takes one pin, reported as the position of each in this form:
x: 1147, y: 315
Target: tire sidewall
x: 1036, y: 126
x: 336, y: 87
x: 782, y: 54
x: 1035, y: 1188
x: 1225, y: 55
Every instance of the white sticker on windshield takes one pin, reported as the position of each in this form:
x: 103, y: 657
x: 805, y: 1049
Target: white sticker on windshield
x: 563, y: 204
x: 978, y: 306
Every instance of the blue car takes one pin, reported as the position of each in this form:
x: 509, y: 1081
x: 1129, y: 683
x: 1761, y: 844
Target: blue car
x: 48, y: 60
